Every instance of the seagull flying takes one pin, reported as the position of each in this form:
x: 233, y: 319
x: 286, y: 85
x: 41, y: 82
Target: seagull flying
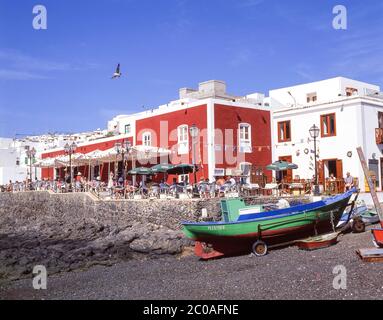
x: 117, y: 73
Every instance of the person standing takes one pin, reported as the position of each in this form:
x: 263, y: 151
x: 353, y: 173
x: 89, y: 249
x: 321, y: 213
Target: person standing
x: 110, y: 184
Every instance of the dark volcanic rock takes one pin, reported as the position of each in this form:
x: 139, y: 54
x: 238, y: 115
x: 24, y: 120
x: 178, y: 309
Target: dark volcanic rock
x: 73, y: 231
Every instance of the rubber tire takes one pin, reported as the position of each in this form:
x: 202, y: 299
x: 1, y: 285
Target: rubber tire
x: 259, y: 249
x: 358, y: 226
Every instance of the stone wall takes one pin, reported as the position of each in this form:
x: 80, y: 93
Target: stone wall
x: 66, y: 232
x: 73, y: 231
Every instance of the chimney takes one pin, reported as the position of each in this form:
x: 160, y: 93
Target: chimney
x: 213, y: 87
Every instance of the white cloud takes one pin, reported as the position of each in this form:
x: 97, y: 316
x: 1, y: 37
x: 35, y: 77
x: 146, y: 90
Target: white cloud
x: 19, y: 66
x: 6, y: 74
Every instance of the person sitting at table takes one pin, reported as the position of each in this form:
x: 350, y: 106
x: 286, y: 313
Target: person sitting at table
x: 129, y: 188
x: 154, y: 189
x: 143, y: 187
x: 332, y: 182
x: 173, y: 186
x: 348, y: 182
x: 220, y: 181
x: 163, y: 185
x: 78, y: 183
x: 208, y: 188
x: 230, y: 183
x: 231, y: 180
x: 201, y: 186
x: 219, y: 185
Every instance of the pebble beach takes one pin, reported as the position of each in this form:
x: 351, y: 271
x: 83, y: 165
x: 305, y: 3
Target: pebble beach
x: 287, y: 273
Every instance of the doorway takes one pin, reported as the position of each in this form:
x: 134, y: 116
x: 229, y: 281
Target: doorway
x: 285, y: 176
x: 328, y: 167
x: 373, y: 167
x: 332, y: 166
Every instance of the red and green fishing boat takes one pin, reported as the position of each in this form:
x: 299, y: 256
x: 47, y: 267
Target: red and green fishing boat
x: 247, y: 228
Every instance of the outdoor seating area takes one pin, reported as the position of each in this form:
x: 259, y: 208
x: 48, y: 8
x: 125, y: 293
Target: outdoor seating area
x: 145, y: 188
x: 164, y: 180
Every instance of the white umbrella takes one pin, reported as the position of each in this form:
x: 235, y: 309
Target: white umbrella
x: 45, y: 163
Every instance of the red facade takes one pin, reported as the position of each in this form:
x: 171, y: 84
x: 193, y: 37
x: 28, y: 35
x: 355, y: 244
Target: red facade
x: 229, y: 118
x: 47, y: 173
x: 219, y: 119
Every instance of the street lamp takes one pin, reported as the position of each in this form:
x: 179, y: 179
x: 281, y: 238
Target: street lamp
x: 123, y: 148
x: 117, y: 147
x: 295, y: 101
x: 314, y: 133
x: 194, y: 133
x: 70, y: 149
x: 31, y: 156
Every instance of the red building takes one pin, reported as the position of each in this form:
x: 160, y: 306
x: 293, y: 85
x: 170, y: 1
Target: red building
x: 234, y: 134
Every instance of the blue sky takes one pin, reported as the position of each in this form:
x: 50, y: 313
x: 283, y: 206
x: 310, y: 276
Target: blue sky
x: 59, y: 79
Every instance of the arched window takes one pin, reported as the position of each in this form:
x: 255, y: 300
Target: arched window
x: 147, y: 139
x: 183, y: 139
x: 244, y: 137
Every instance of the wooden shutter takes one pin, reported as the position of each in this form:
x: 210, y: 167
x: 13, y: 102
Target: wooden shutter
x: 320, y: 172
x: 339, y: 169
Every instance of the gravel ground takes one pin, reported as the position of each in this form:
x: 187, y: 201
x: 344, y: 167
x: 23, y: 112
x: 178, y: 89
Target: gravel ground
x: 286, y: 273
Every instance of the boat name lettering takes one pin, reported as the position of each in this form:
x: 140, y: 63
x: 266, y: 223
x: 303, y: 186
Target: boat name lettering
x: 216, y: 227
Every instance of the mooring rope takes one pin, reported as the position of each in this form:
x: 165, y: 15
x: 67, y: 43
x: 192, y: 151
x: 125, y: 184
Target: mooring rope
x: 332, y: 220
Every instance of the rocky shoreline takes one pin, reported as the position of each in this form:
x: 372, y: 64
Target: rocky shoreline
x: 74, y: 232
x: 84, y: 246
x: 66, y: 232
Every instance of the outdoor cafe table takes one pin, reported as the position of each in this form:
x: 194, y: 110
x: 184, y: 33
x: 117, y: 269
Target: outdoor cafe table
x: 296, y: 188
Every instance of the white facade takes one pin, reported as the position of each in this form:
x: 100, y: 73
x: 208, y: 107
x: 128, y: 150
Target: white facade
x: 325, y: 91
x: 356, y: 117
x: 14, y: 162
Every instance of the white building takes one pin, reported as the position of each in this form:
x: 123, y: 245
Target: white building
x: 14, y: 162
x: 347, y: 113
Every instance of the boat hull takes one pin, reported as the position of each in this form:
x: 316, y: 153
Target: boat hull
x: 319, y: 242
x: 378, y: 236
x: 218, y: 239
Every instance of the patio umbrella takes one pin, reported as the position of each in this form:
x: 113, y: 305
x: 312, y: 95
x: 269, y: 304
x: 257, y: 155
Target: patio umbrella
x: 182, y: 169
x: 142, y: 171
x: 162, y: 168
x: 281, y: 166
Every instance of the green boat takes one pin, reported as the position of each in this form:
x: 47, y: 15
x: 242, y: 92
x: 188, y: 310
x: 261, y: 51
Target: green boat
x: 246, y: 229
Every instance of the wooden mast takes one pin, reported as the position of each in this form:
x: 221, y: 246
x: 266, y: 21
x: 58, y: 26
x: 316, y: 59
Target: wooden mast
x: 370, y: 184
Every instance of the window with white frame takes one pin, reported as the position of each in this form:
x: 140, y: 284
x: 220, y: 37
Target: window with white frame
x: 244, y: 133
x: 183, y: 139
x: 147, y: 139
